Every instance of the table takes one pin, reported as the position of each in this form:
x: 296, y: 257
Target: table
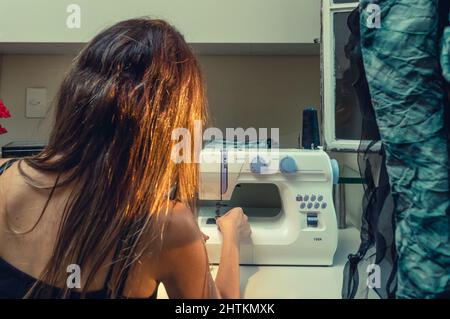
x: 296, y: 282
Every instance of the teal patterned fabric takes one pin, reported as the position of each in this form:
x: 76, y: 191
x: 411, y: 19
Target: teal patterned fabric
x: 445, y: 52
x: 402, y: 61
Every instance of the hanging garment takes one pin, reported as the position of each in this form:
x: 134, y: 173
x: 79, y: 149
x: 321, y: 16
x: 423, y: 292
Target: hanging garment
x: 377, y: 226
x: 444, y: 10
x: 444, y: 18
x: 377, y: 248
x: 402, y: 64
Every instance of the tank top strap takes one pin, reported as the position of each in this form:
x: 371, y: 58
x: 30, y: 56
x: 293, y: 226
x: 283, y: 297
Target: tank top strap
x: 7, y: 165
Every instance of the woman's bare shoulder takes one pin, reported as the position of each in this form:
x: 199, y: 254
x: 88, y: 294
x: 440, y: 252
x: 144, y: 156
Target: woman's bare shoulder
x: 178, y: 228
x: 182, y: 226
x: 181, y: 237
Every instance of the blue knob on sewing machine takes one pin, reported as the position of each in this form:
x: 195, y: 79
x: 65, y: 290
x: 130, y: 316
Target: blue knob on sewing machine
x: 288, y: 165
x: 257, y: 164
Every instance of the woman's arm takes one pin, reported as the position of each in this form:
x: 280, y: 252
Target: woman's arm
x: 234, y: 226
x: 228, y: 276
x: 183, y: 266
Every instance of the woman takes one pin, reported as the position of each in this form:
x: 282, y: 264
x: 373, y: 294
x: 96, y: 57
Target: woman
x: 104, y: 195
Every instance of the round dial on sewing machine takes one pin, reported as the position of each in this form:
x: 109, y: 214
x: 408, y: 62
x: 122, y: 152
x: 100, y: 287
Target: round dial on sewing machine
x: 258, y: 165
x: 288, y: 165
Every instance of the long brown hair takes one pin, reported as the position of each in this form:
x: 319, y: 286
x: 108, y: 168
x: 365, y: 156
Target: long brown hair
x: 128, y: 89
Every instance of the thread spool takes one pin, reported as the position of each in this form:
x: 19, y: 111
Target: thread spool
x: 310, y: 129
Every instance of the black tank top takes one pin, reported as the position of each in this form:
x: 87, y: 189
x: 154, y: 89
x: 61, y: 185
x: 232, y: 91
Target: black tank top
x: 14, y: 283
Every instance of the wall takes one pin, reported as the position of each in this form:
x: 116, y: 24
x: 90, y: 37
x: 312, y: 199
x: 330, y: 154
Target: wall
x: 243, y: 91
x: 19, y: 72
x: 202, y: 21
x: 262, y: 92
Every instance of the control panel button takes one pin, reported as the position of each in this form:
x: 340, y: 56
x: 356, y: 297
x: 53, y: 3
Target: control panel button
x: 306, y: 198
x: 302, y: 205
x: 312, y: 220
x: 313, y: 198
x: 316, y: 205
x: 320, y: 198
x: 324, y: 205
x: 299, y: 198
x: 310, y: 205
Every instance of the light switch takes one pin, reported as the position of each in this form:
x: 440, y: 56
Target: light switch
x: 36, y: 103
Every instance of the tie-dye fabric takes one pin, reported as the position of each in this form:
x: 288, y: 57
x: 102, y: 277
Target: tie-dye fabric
x: 445, y: 52
x: 402, y: 60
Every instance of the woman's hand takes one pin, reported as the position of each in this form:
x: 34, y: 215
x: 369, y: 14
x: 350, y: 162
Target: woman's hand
x: 234, y: 227
x: 234, y: 224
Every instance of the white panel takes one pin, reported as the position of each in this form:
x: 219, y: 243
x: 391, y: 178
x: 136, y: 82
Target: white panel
x: 36, y: 103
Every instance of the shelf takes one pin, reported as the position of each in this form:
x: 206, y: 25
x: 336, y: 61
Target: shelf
x: 199, y: 48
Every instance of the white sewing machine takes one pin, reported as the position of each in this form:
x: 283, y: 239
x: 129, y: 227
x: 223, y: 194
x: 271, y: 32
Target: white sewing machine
x: 287, y: 194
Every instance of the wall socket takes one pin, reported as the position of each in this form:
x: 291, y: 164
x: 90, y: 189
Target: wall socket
x: 36, y: 103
